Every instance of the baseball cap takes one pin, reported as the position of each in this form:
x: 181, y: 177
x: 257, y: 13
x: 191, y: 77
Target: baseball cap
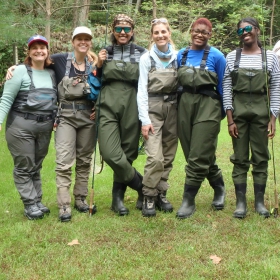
x: 81, y: 30
x: 37, y: 38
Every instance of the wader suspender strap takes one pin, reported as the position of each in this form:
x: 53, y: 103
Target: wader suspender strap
x: 29, y: 72
x: 238, y: 56
x: 204, y: 58
x: 68, y: 65
x: 153, y: 64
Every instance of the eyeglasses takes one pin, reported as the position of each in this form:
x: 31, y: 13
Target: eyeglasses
x: 202, y: 32
x: 247, y: 28
x: 119, y: 29
x: 156, y: 20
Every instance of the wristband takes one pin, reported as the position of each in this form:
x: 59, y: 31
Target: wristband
x: 230, y: 124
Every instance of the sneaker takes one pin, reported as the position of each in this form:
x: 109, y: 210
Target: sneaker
x: 64, y: 214
x: 32, y: 212
x: 43, y: 208
x: 162, y: 204
x: 81, y: 205
x: 148, y: 209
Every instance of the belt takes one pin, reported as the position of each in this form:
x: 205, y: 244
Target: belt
x: 76, y: 106
x: 29, y: 116
x: 165, y: 97
x: 204, y: 91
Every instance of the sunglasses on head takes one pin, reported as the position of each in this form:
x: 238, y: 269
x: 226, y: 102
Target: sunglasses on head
x: 119, y: 29
x: 247, y: 28
x: 156, y: 20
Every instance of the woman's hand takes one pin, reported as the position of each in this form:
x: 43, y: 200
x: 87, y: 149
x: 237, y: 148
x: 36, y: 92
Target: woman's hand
x: 145, y: 130
x: 9, y: 74
x: 92, y: 115
x: 101, y: 57
x: 232, y: 130
x: 271, y: 127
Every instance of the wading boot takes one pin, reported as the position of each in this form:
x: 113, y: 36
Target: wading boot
x: 43, y: 208
x: 259, y: 200
x: 162, y: 204
x: 188, y: 204
x: 218, y: 186
x: 241, y: 203
x: 148, y: 209
x: 65, y: 214
x: 81, y: 204
x: 117, y: 199
x: 136, y: 184
x: 32, y: 212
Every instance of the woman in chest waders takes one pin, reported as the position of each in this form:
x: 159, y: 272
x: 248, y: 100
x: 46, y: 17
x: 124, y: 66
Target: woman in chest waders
x: 157, y: 105
x: 30, y: 97
x: 119, y: 127
x: 199, y: 115
x: 250, y: 73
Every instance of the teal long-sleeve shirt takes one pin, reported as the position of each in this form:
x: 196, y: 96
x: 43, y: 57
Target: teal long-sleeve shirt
x: 21, y: 81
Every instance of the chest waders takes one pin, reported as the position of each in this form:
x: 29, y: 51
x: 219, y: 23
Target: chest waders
x: 119, y: 127
x: 28, y: 134
x: 161, y: 146
x: 74, y: 141
x: 37, y: 104
x: 198, y: 128
x: 251, y: 116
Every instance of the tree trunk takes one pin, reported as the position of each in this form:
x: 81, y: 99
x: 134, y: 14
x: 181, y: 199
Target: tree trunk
x: 48, y: 21
x: 137, y: 7
x: 154, y: 9
x: 271, y: 23
x: 83, y: 15
x: 75, y: 13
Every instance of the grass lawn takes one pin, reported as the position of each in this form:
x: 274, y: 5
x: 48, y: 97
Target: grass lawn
x: 134, y: 247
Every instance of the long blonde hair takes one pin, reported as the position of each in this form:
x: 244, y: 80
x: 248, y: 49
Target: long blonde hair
x: 164, y: 22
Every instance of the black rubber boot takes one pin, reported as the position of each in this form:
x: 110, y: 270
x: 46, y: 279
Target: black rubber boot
x: 148, y: 209
x: 188, y: 204
x: 117, y: 199
x: 162, y: 204
x: 241, y: 203
x: 136, y: 184
x: 218, y: 186
x: 259, y: 200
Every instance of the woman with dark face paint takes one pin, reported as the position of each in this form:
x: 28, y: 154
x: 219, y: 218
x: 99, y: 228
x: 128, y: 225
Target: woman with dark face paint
x: 251, y: 101
x: 201, y: 70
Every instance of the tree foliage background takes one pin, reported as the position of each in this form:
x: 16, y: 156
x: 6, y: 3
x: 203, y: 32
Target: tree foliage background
x: 57, y: 18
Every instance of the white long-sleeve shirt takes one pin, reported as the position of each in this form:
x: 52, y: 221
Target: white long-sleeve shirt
x: 144, y: 69
x: 253, y: 61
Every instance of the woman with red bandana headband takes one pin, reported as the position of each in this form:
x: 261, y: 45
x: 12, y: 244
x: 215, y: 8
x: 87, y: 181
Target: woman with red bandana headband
x: 201, y: 70
x: 251, y: 101
x: 119, y: 127
x: 30, y: 97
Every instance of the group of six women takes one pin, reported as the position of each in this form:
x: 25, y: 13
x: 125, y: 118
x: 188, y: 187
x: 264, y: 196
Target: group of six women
x: 143, y: 85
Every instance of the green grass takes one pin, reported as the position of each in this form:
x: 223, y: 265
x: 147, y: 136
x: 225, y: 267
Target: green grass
x: 134, y: 247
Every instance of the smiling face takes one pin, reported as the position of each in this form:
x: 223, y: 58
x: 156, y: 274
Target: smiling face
x: 38, y: 52
x: 200, y: 34
x: 251, y: 37
x: 123, y: 38
x: 82, y: 43
x: 161, y: 36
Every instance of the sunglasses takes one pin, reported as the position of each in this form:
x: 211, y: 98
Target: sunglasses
x: 119, y: 29
x: 247, y: 28
x: 156, y: 20
x: 202, y: 32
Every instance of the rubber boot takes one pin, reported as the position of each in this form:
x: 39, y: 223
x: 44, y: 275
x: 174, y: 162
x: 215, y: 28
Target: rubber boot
x: 188, y: 204
x: 136, y: 184
x: 117, y: 199
x: 241, y: 203
x: 259, y: 200
x: 148, y: 209
x: 162, y: 204
x: 218, y: 186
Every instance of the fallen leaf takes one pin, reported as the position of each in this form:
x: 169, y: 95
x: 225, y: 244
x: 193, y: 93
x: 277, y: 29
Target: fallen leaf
x: 74, y: 242
x: 215, y: 259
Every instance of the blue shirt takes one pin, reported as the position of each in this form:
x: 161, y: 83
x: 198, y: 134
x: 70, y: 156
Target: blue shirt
x: 216, y: 63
